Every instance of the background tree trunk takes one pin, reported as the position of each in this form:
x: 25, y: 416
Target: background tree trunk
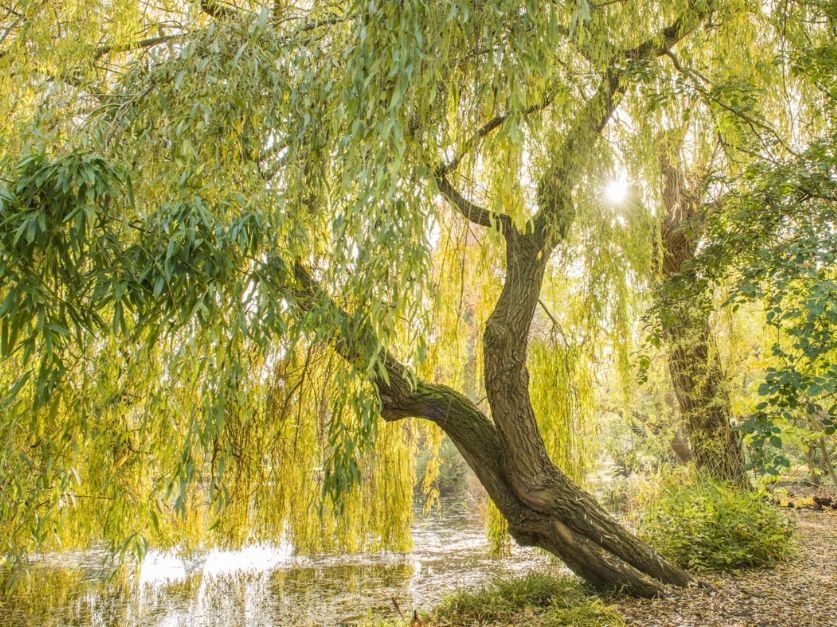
x: 695, y: 370
x: 704, y: 405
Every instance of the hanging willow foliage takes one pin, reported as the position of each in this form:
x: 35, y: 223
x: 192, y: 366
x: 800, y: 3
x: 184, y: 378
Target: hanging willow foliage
x: 220, y: 221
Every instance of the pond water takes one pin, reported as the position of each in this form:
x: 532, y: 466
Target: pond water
x: 268, y: 585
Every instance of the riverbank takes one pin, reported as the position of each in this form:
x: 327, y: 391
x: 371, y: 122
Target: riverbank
x: 268, y: 584
x: 800, y: 591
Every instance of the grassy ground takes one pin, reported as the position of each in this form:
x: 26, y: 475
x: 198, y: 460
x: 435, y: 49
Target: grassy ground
x: 536, y: 600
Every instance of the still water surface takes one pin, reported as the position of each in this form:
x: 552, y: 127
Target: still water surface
x: 268, y: 585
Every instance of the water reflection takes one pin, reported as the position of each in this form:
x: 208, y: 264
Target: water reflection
x: 268, y: 585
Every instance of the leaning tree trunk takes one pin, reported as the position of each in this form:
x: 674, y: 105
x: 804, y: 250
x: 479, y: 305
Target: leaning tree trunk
x: 695, y: 370
x: 573, y: 526
x: 543, y: 507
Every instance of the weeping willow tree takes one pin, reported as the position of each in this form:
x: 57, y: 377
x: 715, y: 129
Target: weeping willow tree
x: 222, y: 261
x: 782, y: 227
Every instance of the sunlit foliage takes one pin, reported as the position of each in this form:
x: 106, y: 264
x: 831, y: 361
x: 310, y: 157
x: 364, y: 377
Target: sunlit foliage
x: 170, y: 168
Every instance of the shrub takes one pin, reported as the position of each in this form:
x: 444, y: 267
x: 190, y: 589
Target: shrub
x: 537, y: 600
x: 707, y: 525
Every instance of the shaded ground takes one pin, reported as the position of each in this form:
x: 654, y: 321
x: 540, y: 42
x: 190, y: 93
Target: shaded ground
x: 799, y: 592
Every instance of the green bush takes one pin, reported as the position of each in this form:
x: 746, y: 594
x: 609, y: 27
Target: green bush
x: 537, y: 600
x: 714, y: 526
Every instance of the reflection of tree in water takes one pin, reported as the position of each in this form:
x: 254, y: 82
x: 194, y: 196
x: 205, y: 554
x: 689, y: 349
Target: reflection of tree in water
x: 61, y: 596
x: 450, y: 551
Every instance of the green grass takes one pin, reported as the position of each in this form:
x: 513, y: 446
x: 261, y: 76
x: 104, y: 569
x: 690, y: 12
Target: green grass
x: 535, y: 600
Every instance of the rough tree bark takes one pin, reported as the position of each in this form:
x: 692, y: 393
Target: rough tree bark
x: 695, y: 370
x: 543, y: 507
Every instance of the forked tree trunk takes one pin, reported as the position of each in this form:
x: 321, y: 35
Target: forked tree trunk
x: 543, y: 507
x: 695, y: 370
x: 565, y: 520
x: 574, y: 526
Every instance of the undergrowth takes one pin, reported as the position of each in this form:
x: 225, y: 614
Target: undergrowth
x: 706, y: 525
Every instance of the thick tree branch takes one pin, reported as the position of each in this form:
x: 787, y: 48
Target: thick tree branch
x: 471, y: 143
x: 473, y: 212
x: 470, y: 210
x: 555, y: 212
x: 554, y: 216
x: 672, y: 34
x: 404, y: 396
